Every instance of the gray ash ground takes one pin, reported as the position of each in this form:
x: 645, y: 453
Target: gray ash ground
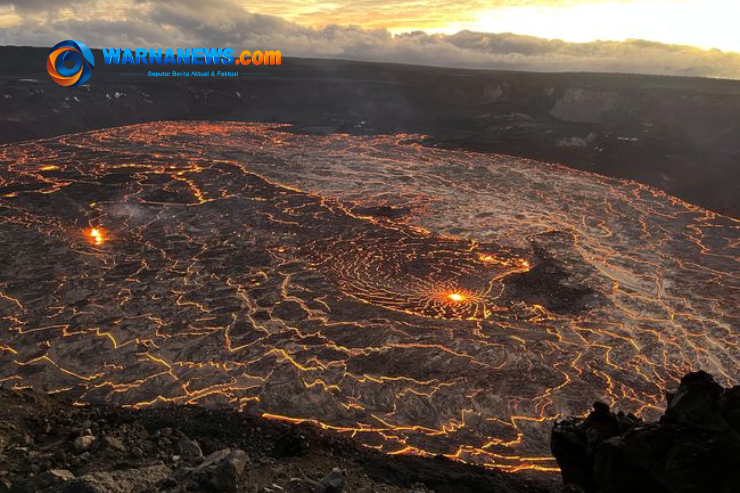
x: 420, y: 301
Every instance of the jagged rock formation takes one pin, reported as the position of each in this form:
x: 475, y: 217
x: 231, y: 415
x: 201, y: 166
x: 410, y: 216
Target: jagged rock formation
x: 694, y: 448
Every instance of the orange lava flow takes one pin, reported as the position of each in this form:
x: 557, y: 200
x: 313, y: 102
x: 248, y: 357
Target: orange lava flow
x: 96, y: 236
x: 419, y: 300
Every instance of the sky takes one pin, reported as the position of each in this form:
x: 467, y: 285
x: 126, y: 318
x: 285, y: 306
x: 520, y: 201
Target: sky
x: 675, y: 37
x: 701, y: 23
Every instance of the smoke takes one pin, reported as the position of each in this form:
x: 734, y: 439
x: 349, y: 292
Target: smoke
x: 132, y: 213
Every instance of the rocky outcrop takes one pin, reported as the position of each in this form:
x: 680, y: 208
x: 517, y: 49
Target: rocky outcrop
x: 693, y: 448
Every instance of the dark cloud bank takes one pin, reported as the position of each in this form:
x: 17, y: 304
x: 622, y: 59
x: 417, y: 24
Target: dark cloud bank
x: 193, y: 23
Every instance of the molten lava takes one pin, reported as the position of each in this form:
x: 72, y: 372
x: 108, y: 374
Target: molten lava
x: 419, y: 300
x: 96, y: 236
x: 457, y: 297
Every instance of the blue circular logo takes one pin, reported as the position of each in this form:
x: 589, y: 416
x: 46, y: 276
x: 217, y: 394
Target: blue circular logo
x: 79, y: 55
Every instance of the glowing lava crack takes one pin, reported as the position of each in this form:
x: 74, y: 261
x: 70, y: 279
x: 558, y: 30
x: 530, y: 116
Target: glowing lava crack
x: 419, y: 300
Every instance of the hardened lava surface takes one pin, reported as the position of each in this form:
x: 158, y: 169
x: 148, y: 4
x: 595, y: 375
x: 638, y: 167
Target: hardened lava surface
x: 420, y: 300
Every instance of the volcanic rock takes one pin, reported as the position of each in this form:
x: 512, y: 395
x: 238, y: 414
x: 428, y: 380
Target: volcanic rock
x: 227, y: 473
x: 331, y: 483
x: 219, y: 471
x: 190, y: 450
x: 694, y: 448
x: 44, y: 480
x: 61, y: 474
x: 128, y: 481
x: 83, y: 443
x: 137, y: 453
x: 113, y: 443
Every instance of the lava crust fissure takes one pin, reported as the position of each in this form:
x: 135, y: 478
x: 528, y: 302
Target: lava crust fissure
x: 421, y: 301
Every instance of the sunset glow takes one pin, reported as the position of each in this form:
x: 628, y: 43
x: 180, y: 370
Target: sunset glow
x: 701, y: 23
x: 696, y: 38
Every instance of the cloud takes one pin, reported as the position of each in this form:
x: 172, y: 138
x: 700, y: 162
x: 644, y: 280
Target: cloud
x: 41, y: 5
x: 191, y: 23
x: 338, y: 11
